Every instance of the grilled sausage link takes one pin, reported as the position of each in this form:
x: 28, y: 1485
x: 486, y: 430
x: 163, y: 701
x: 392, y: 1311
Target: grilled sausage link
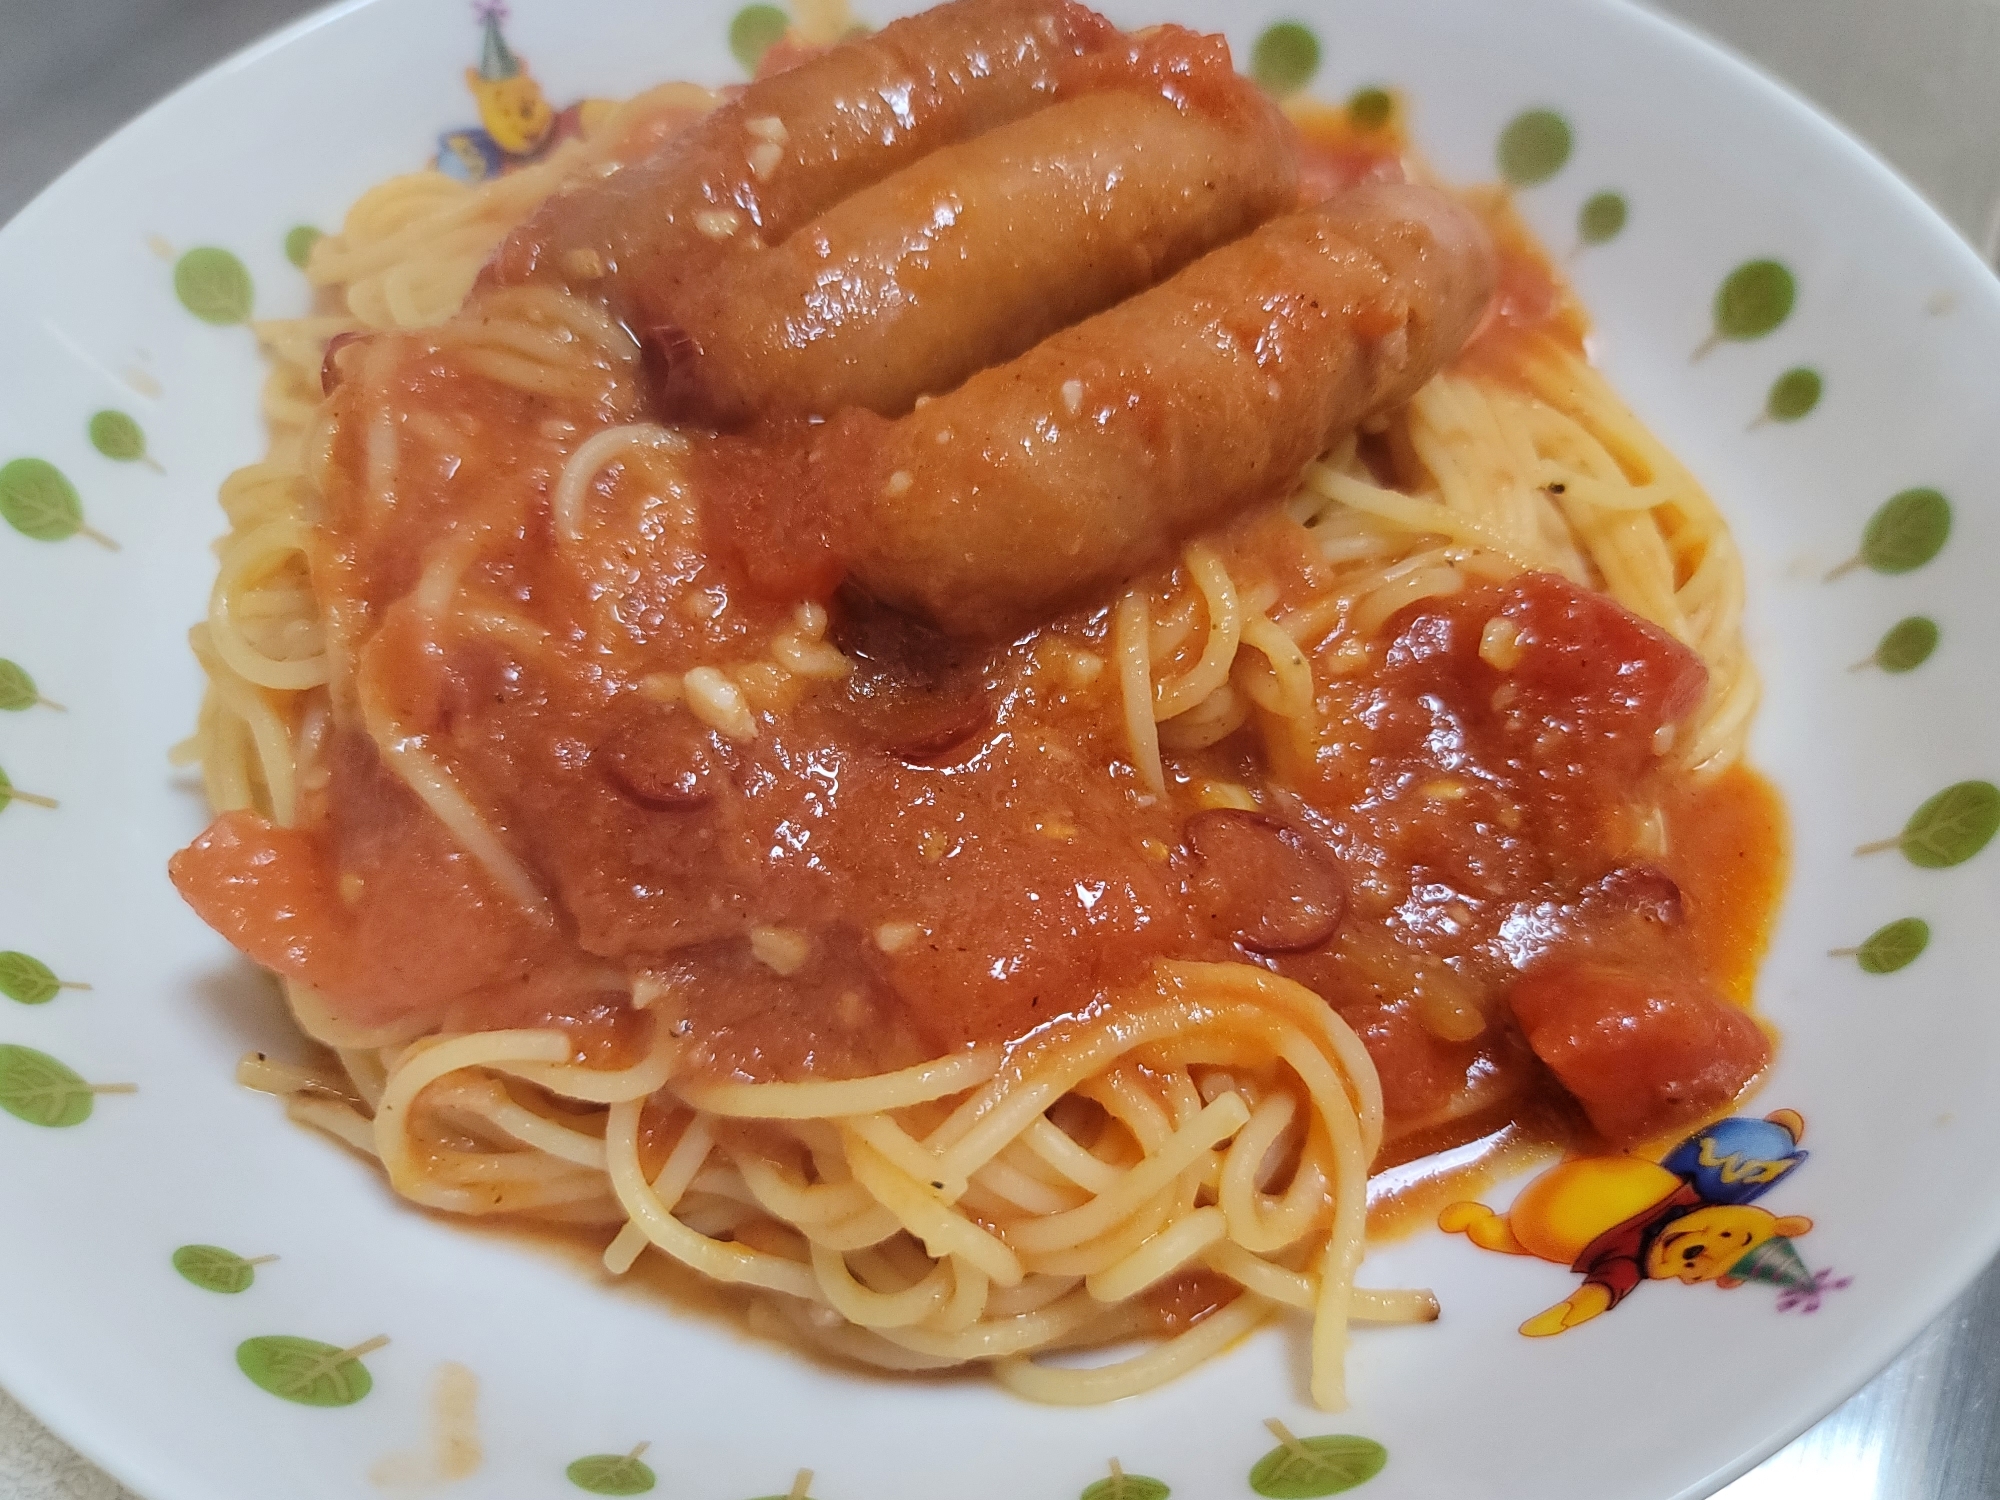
x: 981, y: 249
x: 835, y: 124
x: 1056, y: 476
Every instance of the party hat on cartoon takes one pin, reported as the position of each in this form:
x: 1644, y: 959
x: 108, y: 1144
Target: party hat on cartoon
x: 496, y: 58
x: 1776, y: 1261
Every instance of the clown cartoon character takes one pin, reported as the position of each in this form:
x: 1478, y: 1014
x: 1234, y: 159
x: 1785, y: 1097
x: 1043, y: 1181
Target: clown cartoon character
x: 1689, y: 1217
x: 517, y: 125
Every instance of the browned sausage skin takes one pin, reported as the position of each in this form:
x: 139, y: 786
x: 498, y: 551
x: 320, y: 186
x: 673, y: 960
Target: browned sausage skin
x: 1060, y: 474
x: 974, y: 254
x: 839, y: 121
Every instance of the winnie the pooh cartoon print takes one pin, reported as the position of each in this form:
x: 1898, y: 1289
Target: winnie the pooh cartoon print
x: 1689, y: 1217
x: 517, y: 124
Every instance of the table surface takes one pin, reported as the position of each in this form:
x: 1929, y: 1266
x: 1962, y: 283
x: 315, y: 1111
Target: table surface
x: 1919, y: 80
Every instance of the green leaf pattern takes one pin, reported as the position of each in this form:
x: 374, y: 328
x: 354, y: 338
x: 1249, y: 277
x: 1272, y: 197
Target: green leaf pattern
x: 117, y: 436
x: 1601, y: 218
x: 1952, y: 826
x: 17, y: 688
x: 1305, y: 1468
x: 36, y: 1088
x: 1906, y: 531
x: 299, y: 242
x: 1753, y: 300
x: 214, y: 1269
x: 611, y: 1474
x: 1371, y: 108
x: 213, y: 285
x: 1119, y: 1485
x: 1793, y: 394
x: 756, y: 29
x: 1896, y: 946
x: 27, y: 980
x: 10, y: 794
x: 37, y: 501
x: 1906, y: 645
x: 1534, y: 147
x: 1285, y: 57
x: 305, y: 1370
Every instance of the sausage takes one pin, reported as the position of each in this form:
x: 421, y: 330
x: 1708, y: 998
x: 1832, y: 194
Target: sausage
x: 840, y: 121
x: 1052, y: 478
x: 658, y: 756
x: 977, y: 252
x: 917, y: 695
x: 1262, y: 883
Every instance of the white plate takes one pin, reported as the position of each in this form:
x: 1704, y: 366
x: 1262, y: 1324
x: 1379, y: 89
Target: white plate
x: 1674, y: 1391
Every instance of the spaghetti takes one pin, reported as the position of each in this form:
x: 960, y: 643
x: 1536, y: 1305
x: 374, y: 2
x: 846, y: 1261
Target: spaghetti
x: 1544, y: 472
x: 1179, y: 1152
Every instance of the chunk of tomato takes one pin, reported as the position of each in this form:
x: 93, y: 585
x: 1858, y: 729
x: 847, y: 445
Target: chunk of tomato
x: 266, y: 889
x: 1586, y: 659
x: 1641, y: 1054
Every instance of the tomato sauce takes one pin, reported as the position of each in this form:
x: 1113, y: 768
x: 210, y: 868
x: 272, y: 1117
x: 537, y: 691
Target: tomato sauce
x: 1482, y: 868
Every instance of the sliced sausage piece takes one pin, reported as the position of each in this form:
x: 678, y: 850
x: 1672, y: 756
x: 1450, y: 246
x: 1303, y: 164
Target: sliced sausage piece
x: 1264, y: 884
x: 659, y: 756
x: 914, y: 694
x: 1642, y: 1054
x: 838, y: 122
x: 979, y: 251
x: 1050, y: 479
